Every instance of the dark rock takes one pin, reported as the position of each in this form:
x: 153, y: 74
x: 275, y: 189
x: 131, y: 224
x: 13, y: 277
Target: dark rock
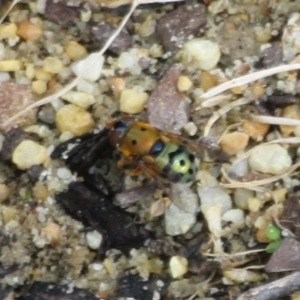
x: 286, y: 257
x: 34, y: 172
x: 103, y: 32
x: 175, y: 27
x: 290, y: 218
x: 13, y: 138
x: 161, y: 247
x: 60, y: 13
x: 51, y: 291
x: 134, y: 287
x: 272, y: 56
x: 168, y: 109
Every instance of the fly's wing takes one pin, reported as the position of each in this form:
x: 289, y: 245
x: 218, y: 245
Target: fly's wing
x: 85, y: 152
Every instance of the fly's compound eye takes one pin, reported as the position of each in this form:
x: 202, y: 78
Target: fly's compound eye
x: 120, y: 126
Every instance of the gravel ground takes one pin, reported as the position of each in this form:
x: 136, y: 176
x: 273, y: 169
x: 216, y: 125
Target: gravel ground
x: 235, y: 228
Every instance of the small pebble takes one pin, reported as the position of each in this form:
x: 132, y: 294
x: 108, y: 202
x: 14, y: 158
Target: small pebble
x: 4, y: 192
x: 207, y: 81
x: 238, y: 90
x: 232, y: 143
x: 132, y: 102
x: 74, y: 119
x: 41, y: 74
x: 178, y: 266
x: 190, y: 128
x: 94, y: 64
x: 261, y: 235
x: 280, y: 195
x: 52, y: 65
x: 9, y: 213
x: 39, y: 86
x: 29, y: 31
x: 241, y: 197
x: 255, y: 130
x: 8, y: 31
x: 243, y: 275
x: 117, y: 85
x: 29, y: 153
x: 129, y: 62
x: 254, y: 204
x: 202, y: 54
x: 64, y: 173
x: 181, y: 214
x: 272, y: 159
x: 40, y: 192
x: 235, y: 216
x: 215, y: 201
x: 10, y: 65
x: 291, y: 112
x: 52, y: 233
x: 80, y: 99
x: 94, y: 239
x: 184, y: 84
x: 147, y: 27
x: 75, y: 50
x: 258, y: 90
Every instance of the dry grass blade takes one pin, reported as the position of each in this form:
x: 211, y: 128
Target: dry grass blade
x: 249, y: 78
x: 233, y: 184
x: 214, y: 101
x: 75, y: 82
x: 221, y: 112
x: 275, y: 120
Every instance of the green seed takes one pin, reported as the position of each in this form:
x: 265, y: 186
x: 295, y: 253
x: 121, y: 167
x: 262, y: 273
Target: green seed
x: 273, y: 246
x: 273, y: 232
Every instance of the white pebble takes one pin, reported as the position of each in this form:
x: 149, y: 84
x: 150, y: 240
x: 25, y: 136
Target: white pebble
x: 272, y: 159
x: 180, y: 216
x: 129, y: 62
x: 97, y: 267
x: 29, y: 153
x: 81, y: 99
x: 190, y: 128
x: 203, y: 54
x: 235, y: 216
x: 94, y: 239
x: 64, y: 173
x: 94, y: 64
x: 214, y: 195
x: 214, y: 203
x: 178, y: 266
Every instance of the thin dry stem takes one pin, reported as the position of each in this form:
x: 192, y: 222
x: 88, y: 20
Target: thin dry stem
x: 233, y: 184
x: 221, y: 112
x: 275, y: 120
x: 249, y: 78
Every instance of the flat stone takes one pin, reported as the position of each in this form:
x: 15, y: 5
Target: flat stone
x: 104, y: 31
x: 168, y: 109
x: 15, y: 98
x: 176, y: 26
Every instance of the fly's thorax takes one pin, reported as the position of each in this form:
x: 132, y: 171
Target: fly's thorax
x: 176, y: 163
x: 139, y: 139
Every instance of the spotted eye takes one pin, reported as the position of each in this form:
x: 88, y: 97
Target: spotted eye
x: 157, y: 147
